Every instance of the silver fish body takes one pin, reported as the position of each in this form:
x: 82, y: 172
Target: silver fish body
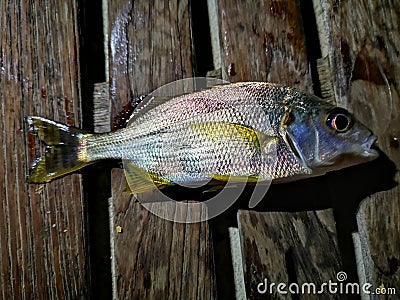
x: 254, y: 130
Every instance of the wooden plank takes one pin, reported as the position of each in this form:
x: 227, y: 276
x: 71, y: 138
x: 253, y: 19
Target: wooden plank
x: 153, y: 258
x: 158, y: 259
x: 366, y: 76
x: 263, y: 40
x: 42, y: 229
x: 287, y: 248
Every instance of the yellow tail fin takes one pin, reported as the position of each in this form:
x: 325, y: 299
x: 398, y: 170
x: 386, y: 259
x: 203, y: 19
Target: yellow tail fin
x: 62, y: 154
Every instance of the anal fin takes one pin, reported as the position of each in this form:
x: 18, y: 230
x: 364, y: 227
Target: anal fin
x: 140, y: 181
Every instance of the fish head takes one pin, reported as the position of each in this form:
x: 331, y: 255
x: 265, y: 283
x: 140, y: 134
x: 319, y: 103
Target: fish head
x: 326, y: 138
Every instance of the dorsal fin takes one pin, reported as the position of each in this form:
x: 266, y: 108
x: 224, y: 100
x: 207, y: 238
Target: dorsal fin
x: 147, y: 104
x: 172, y: 90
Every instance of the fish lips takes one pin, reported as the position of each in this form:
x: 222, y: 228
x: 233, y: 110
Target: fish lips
x: 368, y: 147
x: 359, y: 154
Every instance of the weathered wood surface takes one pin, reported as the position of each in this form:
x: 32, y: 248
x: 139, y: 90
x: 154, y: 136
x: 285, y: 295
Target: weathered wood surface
x: 287, y: 248
x: 153, y: 258
x: 42, y: 231
x: 363, y: 47
x: 263, y: 40
x: 158, y: 259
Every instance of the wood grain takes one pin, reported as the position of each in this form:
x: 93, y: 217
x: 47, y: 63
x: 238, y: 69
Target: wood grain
x: 150, y: 46
x: 287, y: 248
x: 157, y: 259
x: 364, y: 46
x: 263, y: 40
x: 153, y: 258
x: 42, y: 229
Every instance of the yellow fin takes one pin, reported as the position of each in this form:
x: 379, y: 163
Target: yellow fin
x: 159, y: 181
x: 234, y: 178
x: 63, y: 153
x: 233, y: 131
x: 140, y: 181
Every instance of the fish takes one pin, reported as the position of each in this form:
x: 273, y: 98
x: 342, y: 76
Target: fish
x: 245, y: 132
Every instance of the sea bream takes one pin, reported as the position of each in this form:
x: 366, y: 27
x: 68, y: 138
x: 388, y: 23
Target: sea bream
x: 251, y: 131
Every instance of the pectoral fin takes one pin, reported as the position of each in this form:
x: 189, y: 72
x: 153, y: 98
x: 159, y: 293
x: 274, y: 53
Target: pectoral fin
x: 221, y: 131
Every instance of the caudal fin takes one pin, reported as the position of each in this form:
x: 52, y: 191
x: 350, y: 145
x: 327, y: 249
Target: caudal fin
x: 62, y: 153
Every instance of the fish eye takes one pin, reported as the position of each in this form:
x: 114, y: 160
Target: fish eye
x: 339, y: 120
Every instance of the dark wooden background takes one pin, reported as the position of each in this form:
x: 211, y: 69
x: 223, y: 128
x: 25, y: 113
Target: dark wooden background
x: 83, y: 236
x: 43, y: 231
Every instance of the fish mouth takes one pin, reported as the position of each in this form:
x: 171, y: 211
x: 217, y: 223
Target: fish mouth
x: 367, y: 147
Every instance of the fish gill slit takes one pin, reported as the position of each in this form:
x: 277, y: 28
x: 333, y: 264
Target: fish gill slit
x: 292, y: 146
